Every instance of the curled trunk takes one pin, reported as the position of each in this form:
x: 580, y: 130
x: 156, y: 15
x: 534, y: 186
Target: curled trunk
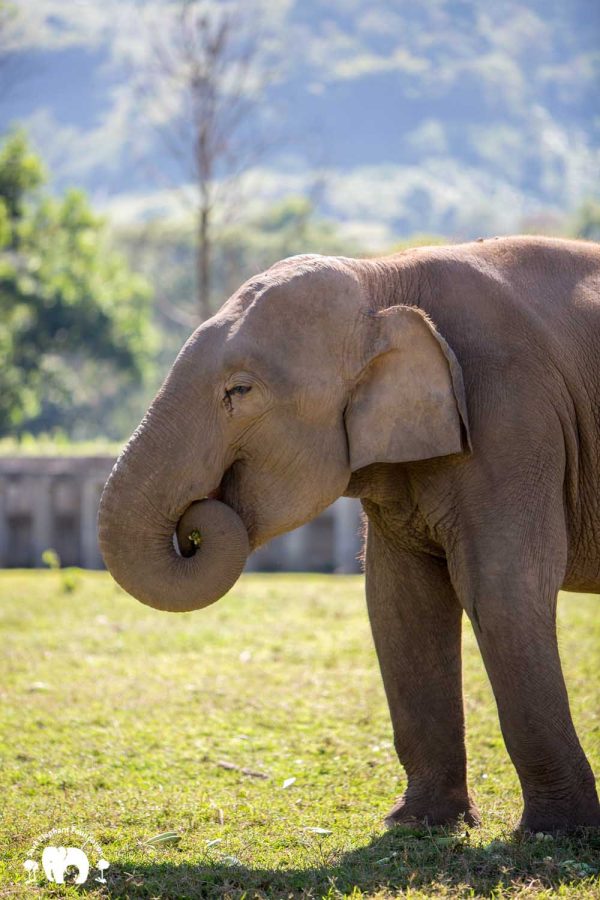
x: 138, y: 544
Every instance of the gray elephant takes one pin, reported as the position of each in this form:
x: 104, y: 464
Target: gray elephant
x: 456, y: 392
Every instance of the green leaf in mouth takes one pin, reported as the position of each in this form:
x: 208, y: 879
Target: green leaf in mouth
x: 195, y: 538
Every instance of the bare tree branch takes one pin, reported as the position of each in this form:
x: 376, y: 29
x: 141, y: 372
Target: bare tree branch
x: 200, y: 84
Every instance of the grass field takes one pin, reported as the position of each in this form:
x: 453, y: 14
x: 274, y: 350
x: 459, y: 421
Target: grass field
x: 128, y: 723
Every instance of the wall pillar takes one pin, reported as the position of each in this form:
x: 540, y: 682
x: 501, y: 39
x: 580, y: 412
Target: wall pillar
x: 295, y: 550
x: 91, y: 558
x: 42, y: 536
x: 347, y: 541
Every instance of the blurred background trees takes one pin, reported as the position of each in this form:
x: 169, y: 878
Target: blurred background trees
x: 75, y: 334
x: 586, y: 221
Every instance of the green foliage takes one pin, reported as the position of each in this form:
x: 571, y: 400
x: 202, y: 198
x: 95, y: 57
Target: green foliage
x: 21, y: 172
x: 74, y: 321
x: 586, y: 221
x: 246, y: 750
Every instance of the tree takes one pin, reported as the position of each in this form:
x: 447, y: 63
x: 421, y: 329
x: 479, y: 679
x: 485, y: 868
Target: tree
x: 74, y: 321
x: 586, y: 221
x: 200, y: 83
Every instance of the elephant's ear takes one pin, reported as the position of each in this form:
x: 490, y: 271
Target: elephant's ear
x: 409, y: 399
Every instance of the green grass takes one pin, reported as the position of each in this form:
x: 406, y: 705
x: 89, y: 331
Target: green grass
x: 116, y: 719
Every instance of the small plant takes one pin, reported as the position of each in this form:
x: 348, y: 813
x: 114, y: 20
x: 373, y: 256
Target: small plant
x: 69, y: 580
x: 51, y: 559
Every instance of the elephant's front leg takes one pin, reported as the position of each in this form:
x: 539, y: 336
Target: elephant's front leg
x: 416, y: 622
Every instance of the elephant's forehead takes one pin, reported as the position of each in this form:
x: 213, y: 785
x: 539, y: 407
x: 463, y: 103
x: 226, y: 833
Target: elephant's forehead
x: 232, y: 340
x: 261, y: 341
x: 287, y: 323
x: 298, y: 293
x: 296, y: 322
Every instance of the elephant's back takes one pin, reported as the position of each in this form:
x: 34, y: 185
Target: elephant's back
x: 516, y: 301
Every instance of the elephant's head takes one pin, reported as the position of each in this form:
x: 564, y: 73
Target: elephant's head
x: 268, y: 409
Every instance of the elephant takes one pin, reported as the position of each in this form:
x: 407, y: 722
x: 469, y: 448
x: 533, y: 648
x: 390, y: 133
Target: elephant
x: 456, y: 391
x: 56, y: 861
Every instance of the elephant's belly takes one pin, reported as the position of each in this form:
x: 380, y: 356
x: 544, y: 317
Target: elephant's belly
x: 583, y: 571
x: 582, y: 587
x: 586, y: 580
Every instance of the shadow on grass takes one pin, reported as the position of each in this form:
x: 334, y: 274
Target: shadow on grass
x: 395, y: 861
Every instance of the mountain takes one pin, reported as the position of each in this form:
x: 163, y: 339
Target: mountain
x: 451, y: 116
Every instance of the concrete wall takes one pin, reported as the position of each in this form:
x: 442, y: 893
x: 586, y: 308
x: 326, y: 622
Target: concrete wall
x: 52, y: 502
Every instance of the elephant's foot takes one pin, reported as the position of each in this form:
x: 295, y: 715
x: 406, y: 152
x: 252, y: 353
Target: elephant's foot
x: 431, y: 810
x: 563, y: 815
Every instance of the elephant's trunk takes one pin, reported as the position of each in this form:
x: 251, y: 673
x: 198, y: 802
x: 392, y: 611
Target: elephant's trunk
x: 136, y: 532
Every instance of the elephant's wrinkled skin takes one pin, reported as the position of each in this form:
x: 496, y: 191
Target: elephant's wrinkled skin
x: 456, y: 391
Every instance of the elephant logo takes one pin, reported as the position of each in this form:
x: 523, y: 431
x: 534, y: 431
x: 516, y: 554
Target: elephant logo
x: 56, y: 861
x: 62, y: 861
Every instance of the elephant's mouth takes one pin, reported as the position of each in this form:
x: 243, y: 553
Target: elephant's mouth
x: 228, y: 492
x: 190, y: 531
x: 208, y: 527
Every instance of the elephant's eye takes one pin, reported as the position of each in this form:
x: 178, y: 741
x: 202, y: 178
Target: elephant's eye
x: 238, y: 390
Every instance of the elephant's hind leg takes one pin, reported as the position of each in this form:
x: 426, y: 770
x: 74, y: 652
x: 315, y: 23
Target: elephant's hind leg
x: 416, y: 622
x: 508, y: 579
